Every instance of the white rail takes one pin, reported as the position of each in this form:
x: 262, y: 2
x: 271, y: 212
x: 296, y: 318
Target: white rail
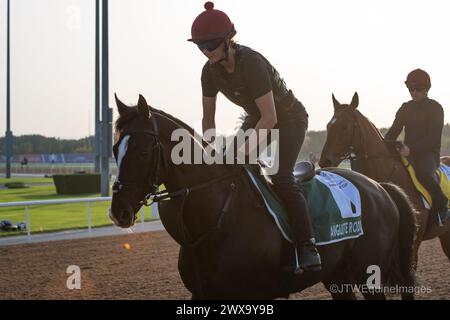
x: 27, y: 204
x: 59, y: 201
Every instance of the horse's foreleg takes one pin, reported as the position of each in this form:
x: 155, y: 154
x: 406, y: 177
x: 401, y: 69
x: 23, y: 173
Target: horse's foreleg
x: 189, y: 274
x: 445, y: 243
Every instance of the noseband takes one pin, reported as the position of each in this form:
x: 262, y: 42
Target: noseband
x: 350, y: 155
x: 154, y: 174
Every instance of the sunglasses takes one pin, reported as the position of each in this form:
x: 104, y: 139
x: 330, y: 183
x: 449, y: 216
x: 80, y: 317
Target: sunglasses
x: 209, y: 45
x: 419, y: 89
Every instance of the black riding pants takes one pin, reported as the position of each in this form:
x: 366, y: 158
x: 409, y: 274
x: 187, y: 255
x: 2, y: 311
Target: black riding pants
x: 291, y: 136
x: 425, y: 166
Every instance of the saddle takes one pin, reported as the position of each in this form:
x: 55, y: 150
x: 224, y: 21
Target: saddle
x: 304, y: 171
x: 334, y: 203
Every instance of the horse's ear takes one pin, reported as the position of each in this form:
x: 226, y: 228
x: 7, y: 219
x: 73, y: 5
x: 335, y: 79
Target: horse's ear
x: 121, y: 107
x: 355, y: 101
x: 336, y: 104
x: 143, y: 108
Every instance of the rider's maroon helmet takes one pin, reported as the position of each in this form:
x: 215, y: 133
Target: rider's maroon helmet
x: 418, y: 78
x: 211, y: 24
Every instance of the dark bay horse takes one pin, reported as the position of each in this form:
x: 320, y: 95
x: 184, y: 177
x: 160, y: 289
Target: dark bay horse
x: 350, y: 135
x: 230, y: 247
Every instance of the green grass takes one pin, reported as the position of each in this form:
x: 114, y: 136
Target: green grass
x: 26, y: 180
x: 49, y: 165
x: 50, y: 218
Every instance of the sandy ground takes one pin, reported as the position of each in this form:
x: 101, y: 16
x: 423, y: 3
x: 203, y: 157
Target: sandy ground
x: 147, y: 270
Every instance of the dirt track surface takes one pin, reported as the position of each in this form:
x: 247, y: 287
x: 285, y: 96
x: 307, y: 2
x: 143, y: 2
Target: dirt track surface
x: 147, y: 270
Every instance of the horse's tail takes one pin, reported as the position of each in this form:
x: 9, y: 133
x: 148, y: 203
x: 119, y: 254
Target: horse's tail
x: 404, y: 256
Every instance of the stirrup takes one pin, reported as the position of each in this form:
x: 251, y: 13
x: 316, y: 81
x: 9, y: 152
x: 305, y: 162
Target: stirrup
x: 314, y: 254
x: 298, y: 271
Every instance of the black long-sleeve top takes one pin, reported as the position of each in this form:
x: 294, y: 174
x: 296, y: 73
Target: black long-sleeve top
x: 423, y: 122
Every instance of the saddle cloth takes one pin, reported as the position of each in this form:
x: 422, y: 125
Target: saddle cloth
x: 334, y: 205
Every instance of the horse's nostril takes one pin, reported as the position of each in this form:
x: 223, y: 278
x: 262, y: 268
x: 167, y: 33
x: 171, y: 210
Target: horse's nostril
x: 122, y: 213
x: 127, y: 217
x: 113, y: 218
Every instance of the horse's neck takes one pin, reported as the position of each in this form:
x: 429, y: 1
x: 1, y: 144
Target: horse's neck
x: 187, y: 174
x: 191, y: 175
x: 377, y: 162
x: 204, y: 208
x: 380, y: 165
x: 206, y: 198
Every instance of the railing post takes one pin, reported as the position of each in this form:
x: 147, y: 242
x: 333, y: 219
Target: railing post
x: 89, y: 217
x: 28, y: 224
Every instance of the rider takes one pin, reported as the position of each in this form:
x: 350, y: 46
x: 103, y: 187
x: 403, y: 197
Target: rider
x: 247, y: 79
x: 423, y: 120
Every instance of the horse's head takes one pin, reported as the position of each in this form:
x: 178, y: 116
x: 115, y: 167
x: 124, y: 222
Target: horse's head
x: 138, y: 154
x: 342, y: 134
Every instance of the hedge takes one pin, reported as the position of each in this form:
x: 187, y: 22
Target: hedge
x: 77, y: 183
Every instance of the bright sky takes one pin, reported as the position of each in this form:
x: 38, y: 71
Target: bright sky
x: 319, y: 47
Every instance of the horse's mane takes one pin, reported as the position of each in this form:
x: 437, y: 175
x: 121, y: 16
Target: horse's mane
x: 183, y: 124
x: 368, y: 125
x: 174, y: 119
x: 124, y: 118
x: 362, y: 118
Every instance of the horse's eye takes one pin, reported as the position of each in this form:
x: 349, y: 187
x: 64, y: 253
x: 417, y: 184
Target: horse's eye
x: 145, y: 153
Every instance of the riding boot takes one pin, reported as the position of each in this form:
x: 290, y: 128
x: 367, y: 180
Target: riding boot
x: 425, y: 167
x: 306, y: 255
x: 439, y: 212
x: 309, y: 258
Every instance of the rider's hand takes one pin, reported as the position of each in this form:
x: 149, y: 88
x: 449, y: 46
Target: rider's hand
x: 404, y: 150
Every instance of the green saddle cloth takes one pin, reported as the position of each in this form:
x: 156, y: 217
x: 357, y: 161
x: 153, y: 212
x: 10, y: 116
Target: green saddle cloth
x: 330, y: 223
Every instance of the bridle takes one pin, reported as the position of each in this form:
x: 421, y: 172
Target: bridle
x: 364, y: 156
x: 154, y: 175
x: 350, y: 154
